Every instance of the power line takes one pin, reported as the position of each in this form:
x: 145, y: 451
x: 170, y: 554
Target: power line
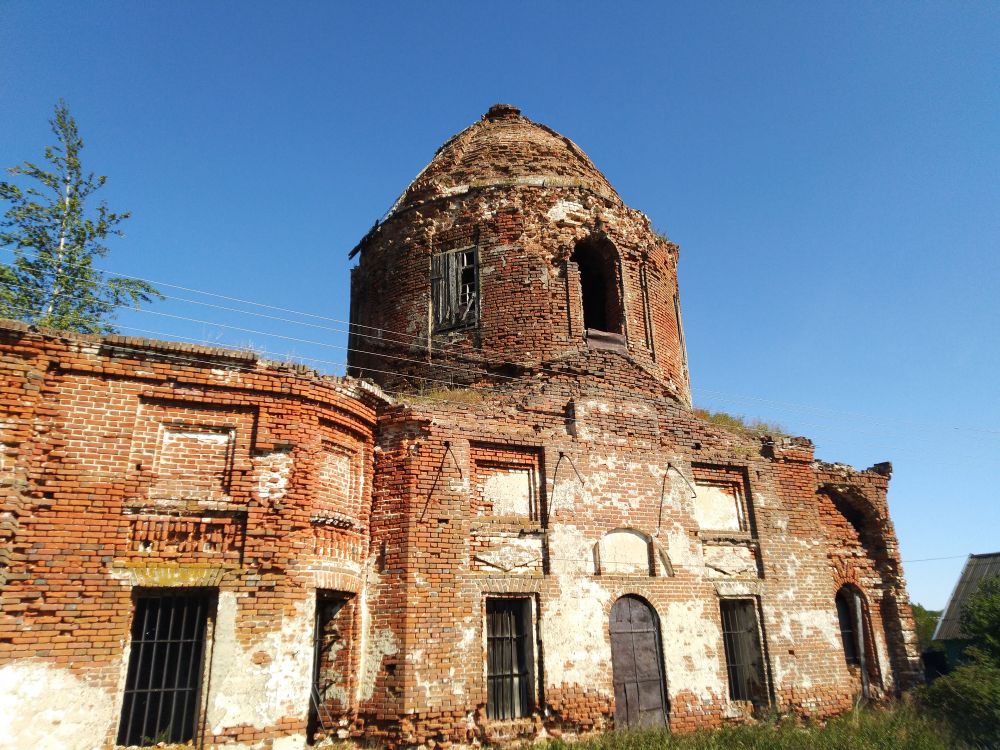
x: 470, y: 368
x: 435, y: 397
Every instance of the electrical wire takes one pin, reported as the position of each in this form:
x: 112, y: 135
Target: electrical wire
x: 467, y: 369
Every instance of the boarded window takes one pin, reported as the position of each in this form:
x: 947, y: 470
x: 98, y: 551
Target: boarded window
x: 744, y: 660
x: 163, y: 684
x: 455, y: 289
x: 509, y: 655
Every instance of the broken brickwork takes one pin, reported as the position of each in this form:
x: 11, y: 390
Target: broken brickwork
x: 475, y: 555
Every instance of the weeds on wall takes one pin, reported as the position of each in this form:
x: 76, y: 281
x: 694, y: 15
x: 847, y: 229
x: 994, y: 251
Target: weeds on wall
x: 741, y: 424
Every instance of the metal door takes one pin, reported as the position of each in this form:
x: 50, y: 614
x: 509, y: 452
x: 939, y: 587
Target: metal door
x: 636, y: 660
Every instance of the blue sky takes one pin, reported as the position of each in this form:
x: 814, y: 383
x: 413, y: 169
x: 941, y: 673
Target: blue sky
x: 830, y: 170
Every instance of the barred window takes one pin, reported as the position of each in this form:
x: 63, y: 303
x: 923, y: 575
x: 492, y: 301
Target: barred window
x: 744, y: 660
x: 455, y: 289
x: 163, y: 683
x: 509, y: 655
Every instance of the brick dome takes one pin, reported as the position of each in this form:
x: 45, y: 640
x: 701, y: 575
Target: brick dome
x: 511, y: 256
x: 505, y: 148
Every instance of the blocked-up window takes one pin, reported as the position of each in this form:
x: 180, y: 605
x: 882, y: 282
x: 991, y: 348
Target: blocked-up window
x: 163, y: 683
x: 455, y: 289
x: 337, y: 485
x: 744, y: 657
x: 506, y: 482
x: 193, y: 462
x: 624, y: 551
x: 719, y: 503
x: 509, y: 658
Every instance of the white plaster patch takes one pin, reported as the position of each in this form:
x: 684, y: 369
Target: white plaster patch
x: 509, y: 492
x: 575, y: 651
x: 562, y: 209
x: 510, y: 554
x: 725, y: 560
x: 692, y: 638
x: 624, y: 551
x: 570, y: 551
x: 48, y: 708
x: 717, y: 506
x: 245, y: 692
x: 381, y: 644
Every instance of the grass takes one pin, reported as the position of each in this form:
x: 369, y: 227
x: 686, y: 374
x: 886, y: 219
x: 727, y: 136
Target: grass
x: 449, y: 395
x: 900, y: 727
x: 741, y: 424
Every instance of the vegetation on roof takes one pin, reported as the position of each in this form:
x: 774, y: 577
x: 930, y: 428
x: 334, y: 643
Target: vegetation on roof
x: 739, y: 423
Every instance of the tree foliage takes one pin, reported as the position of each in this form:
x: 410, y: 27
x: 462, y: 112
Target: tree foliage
x: 52, y: 281
x: 926, y: 621
x: 969, y: 696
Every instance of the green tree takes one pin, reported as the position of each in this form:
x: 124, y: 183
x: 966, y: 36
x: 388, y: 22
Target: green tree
x: 926, y: 621
x: 52, y: 281
x: 969, y: 696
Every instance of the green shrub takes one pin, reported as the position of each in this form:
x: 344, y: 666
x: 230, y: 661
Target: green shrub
x: 968, y: 697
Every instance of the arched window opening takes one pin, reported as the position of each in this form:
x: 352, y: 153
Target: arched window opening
x: 854, y: 630
x: 848, y: 619
x: 602, y: 309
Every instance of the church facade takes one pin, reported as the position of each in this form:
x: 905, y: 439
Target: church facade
x: 507, y: 521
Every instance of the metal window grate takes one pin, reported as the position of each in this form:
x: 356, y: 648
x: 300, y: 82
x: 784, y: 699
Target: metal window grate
x: 508, y: 658
x: 741, y: 638
x: 163, y: 683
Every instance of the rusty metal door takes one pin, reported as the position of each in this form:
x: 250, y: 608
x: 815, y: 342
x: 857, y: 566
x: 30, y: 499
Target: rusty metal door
x: 636, y: 665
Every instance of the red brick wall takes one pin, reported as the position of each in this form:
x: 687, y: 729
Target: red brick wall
x: 149, y: 465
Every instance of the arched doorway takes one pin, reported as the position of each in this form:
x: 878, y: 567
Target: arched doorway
x: 636, y: 665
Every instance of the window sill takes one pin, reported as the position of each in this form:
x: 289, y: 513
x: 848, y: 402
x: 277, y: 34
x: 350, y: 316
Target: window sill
x: 606, y: 340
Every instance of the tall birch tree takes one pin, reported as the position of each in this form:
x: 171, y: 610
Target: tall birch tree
x: 51, y: 280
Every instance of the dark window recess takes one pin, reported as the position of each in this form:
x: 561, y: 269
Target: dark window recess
x: 455, y: 289
x: 509, y: 692
x: 744, y: 662
x: 848, y: 619
x: 163, y: 684
x: 597, y: 261
x: 331, y: 660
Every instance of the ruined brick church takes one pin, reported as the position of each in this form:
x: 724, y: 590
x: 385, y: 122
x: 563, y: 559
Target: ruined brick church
x: 506, y: 522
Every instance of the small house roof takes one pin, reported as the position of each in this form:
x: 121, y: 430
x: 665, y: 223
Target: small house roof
x: 977, y: 567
